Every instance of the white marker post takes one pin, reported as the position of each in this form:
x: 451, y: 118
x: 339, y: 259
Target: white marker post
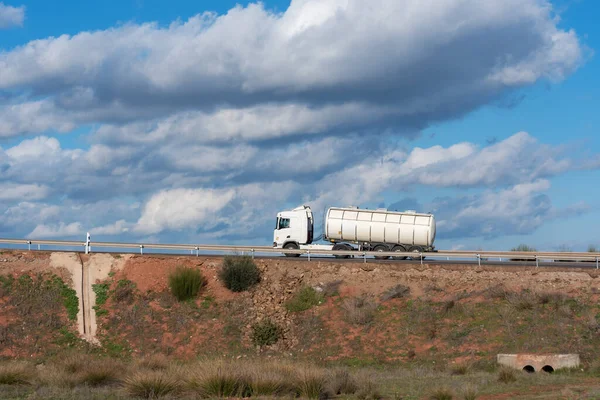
x: 88, y: 248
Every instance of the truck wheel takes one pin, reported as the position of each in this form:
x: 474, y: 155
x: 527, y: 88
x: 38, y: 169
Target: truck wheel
x: 341, y: 247
x: 291, y: 246
x: 416, y: 249
x: 381, y: 248
x: 401, y: 249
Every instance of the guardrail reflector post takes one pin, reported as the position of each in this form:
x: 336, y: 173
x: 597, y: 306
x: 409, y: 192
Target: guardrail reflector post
x: 421, y: 254
x: 537, y: 263
x: 29, y: 243
x: 252, y: 254
x: 308, y: 252
x: 365, y: 257
x: 479, y: 259
x: 39, y: 246
x: 197, y: 252
x: 141, y: 249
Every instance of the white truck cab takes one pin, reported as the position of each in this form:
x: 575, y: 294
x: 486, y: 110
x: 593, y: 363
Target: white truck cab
x: 294, y: 228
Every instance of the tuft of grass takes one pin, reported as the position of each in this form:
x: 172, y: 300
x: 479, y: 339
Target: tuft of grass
x: 153, y: 362
x: 342, y: 382
x: 304, y: 299
x: 239, y: 273
x: 359, y: 310
x: 367, y: 388
x: 266, y: 333
x: 16, y: 373
x: 124, y: 292
x: 186, y: 282
x: 507, y: 375
x: 593, y: 249
x: 395, y: 292
x: 470, y: 392
x: 460, y: 369
x: 220, y: 380
x: 151, y: 384
x: 442, y: 394
x: 311, y: 383
x: 102, y: 372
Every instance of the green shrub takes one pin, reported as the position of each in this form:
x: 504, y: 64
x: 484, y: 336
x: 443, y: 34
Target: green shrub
x: 266, y: 333
x: 304, y: 299
x: 186, y: 282
x: 239, y: 273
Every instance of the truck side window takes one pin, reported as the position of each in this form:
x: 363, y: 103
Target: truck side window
x: 284, y: 223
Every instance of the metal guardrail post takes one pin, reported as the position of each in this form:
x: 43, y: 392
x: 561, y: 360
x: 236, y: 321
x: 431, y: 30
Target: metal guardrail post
x: 308, y: 252
x: 537, y: 261
x: 596, y: 262
x: 197, y: 252
x: 39, y: 246
x: 479, y: 259
x: 252, y: 251
x: 421, y: 254
x: 141, y: 249
x: 29, y: 243
x: 365, y: 257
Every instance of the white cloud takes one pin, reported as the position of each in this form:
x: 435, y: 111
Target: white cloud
x: 117, y: 228
x: 520, y: 209
x: 15, y: 192
x: 320, y: 65
x: 11, y: 16
x: 61, y: 230
x: 182, y: 208
x: 519, y: 158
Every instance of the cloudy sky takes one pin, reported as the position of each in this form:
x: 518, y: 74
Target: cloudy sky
x: 196, y: 122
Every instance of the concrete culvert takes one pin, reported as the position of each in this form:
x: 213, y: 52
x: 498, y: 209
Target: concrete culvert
x: 529, y: 369
x: 548, y: 369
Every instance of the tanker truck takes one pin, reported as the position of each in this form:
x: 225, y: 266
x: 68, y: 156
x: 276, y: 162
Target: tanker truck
x: 355, y: 229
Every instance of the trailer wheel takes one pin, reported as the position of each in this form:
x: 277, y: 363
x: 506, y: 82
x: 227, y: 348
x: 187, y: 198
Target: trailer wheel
x: 400, y: 249
x: 291, y: 246
x: 381, y: 248
x: 416, y: 249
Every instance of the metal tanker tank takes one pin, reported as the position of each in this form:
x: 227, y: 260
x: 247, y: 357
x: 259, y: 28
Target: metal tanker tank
x: 356, y: 225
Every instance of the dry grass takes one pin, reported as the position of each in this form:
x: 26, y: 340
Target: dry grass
x: 395, y: 292
x: 442, y: 394
x: 16, y: 373
x: 341, y: 382
x: 154, y: 362
x: 151, y: 384
x: 507, y: 375
x: 359, y: 310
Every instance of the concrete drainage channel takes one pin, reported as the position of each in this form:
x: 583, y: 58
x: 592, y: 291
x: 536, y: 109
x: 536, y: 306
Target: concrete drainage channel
x: 539, y: 362
x: 86, y: 271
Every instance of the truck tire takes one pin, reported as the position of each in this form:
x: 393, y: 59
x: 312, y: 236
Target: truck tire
x: 381, y: 247
x: 341, y: 247
x: 401, y: 249
x: 415, y: 249
x: 291, y: 246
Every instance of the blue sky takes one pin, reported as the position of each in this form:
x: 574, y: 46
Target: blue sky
x: 199, y: 129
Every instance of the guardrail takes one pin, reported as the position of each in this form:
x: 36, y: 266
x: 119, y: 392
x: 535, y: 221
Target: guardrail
x: 254, y: 250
